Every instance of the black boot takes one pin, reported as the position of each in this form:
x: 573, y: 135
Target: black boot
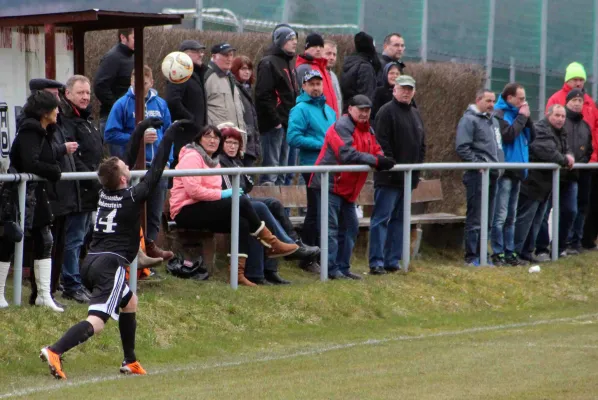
x: 274, y: 278
x: 305, y: 252
x: 311, y: 266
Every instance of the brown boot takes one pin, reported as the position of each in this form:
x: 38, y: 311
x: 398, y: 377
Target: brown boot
x: 241, y: 272
x: 275, y: 248
x: 153, y: 251
x: 144, y: 261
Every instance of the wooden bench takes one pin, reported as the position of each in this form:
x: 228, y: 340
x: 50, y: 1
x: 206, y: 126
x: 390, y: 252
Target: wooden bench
x: 294, y: 197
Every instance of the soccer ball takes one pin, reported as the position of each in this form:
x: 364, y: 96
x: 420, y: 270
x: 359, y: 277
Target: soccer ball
x: 177, y: 67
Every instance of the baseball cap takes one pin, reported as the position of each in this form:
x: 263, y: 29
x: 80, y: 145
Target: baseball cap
x: 405, y: 80
x: 42, y: 83
x: 360, y: 101
x: 222, y: 48
x: 312, y: 74
x: 191, y: 45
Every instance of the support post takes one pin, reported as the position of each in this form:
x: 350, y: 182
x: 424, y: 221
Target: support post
x: 543, y: 53
x: 490, y: 43
x: 134, y: 266
x: 512, y: 70
x: 234, y: 234
x: 556, y: 175
x: 140, y: 106
x: 286, y: 11
x: 361, y: 16
x: 324, y: 227
x: 79, y: 51
x: 50, y: 45
x: 424, y: 33
x: 198, y: 15
x: 407, y: 220
x: 19, y: 247
x: 484, y: 217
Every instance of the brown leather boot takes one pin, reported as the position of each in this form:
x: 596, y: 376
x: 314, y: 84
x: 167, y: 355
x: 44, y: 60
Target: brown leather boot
x: 153, y: 251
x: 241, y: 272
x: 274, y: 247
x: 145, y: 262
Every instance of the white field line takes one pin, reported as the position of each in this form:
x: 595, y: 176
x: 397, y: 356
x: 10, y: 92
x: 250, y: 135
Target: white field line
x: 307, y: 352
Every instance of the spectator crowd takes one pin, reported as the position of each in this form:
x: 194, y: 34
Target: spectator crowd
x: 292, y: 109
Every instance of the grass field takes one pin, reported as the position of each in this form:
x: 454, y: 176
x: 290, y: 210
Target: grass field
x: 439, y: 332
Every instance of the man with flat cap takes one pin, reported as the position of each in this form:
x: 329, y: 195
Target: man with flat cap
x: 349, y: 141
x: 188, y: 100
x: 224, y: 100
x: 37, y: 84
x: 400, y: 131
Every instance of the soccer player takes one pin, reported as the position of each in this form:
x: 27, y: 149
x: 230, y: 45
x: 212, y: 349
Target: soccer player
x: 115, y: 243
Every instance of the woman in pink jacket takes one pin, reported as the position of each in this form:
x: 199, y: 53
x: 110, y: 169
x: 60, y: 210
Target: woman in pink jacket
x: 199, y: 201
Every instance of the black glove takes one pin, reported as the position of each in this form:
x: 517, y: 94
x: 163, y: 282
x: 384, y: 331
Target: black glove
x: 150, y: 123
x: 181, y: 126
x: 385, y: 163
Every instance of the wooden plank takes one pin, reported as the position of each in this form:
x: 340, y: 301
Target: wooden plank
x: 293, y: 196
x: 266, y: 191
x: 426, y: 191
x: 423, y: 219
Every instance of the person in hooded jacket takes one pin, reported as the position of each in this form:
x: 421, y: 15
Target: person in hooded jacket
x: 242, y: 70
x: 384, y: 93
x: 517, y: 130
x: 478, y: 140
x: 275, y: 93
x: 360, y: 70
x: 575, y: 196
x: 33, y: 152
x: 119, y: 127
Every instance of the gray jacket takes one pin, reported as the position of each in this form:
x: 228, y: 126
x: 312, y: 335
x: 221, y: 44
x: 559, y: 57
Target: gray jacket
x: 478, y: 137
x: 223, y: 98
x: 337, y: 89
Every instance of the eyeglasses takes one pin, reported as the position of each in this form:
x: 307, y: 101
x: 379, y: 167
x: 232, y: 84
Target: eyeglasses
x: 246, y: 69
x: 232, y: 143
x: 212, y: 138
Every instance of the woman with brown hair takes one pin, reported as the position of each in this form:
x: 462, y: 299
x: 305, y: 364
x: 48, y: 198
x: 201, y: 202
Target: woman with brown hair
x: 242, y: 70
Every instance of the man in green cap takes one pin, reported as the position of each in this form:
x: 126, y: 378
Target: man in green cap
x: 575, y: 78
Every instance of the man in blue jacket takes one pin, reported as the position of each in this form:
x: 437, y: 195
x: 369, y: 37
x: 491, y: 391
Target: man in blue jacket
x: 119, y: 127
x: 308, y: 122
x: 517, y: 131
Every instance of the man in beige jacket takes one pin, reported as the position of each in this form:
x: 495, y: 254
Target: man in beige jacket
x: 224, y: 101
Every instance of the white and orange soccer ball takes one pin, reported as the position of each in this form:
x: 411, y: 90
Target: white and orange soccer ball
x: 177, y: 67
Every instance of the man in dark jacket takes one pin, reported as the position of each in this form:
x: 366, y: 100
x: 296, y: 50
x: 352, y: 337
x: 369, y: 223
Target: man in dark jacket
x: 360, y: 70
x: 113, y: 76
x: 349, y: 141
x: 575, y: 190
x: 550, y: 145
x: 275, y: 93
x: 79, y: 127
x: 478, y: 140
x: 188, y: 100
x: 400, y: 133
x: 394, y: 48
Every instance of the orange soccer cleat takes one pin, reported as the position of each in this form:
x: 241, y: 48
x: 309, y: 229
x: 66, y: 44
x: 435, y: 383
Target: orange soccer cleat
x: 133, y: 368
x: 54, y: 362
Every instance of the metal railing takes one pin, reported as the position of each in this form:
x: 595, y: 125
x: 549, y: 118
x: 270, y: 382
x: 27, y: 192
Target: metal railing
x: 407, y: 169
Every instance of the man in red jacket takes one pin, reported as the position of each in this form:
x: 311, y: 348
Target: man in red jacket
x: 313, y: 58
x: 575, y: 78
x: 349, y: 141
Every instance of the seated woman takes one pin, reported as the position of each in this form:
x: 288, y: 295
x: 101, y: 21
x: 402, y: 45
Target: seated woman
x: 200, y: 202
x: 270, y: 210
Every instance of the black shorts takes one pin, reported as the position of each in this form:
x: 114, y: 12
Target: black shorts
x: 103, y: 275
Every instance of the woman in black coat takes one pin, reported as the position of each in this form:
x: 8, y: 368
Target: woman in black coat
x: 33, y: 152
x: 383, y: 94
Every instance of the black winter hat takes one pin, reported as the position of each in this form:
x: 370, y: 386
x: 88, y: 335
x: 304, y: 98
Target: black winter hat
x: 42, y: 83
x: 364, y: 43
x: 573, y: 94
x: 313, y: 40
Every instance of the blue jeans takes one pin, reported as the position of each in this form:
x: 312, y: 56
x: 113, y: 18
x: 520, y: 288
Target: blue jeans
x: 155, y: 207
x: 583, y: 203
x: 530, y: 214
x: 386, y: 228
x: 505, y: 213
x: 473, y: 185
x: 275, y: 152
x: 117, y: 150
x: 77, y: 225
x: 293, y: 159
x: 343, y: 227
x: 568, y: 211
x: 256, y: 262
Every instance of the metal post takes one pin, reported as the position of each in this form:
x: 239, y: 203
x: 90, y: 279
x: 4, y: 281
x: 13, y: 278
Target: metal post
x: 198, y: 15
x: 234, y: 234
x: 543, y: 52
x: 324, y: 227
x: 484, y: 217
x: 407, y: 220
x: 286, y: 11
x: 490, y: 43
x: 18, y: 259
x: 133, y: 268
x: 512, y: 69
x: 595, y: 53
x: 556, y: 175
x: 361, y: 16
x: 424, y: 34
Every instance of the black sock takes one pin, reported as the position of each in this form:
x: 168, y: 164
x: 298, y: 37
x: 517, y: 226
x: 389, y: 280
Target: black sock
x: 127, y: 324
x: 73, y: 337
